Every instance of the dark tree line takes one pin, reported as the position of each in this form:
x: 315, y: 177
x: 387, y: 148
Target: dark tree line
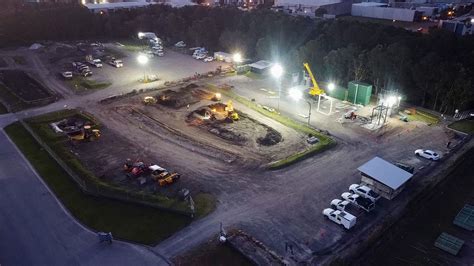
x: 434, y: 70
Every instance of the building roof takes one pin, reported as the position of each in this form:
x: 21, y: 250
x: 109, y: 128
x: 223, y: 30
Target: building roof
x: 262, y: 64
x: 117, y: 5
x: 385, y: 172
x: 370, y: 4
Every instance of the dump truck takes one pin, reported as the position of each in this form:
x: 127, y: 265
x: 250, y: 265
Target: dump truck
x: 85, y: 133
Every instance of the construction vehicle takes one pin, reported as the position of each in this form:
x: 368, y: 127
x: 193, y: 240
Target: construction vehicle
x: 85, y: 133
x: 230, y: 111
x: 149, y: 100
x: 315, y: 90
x: 170, y: 178
x: 134, y: 169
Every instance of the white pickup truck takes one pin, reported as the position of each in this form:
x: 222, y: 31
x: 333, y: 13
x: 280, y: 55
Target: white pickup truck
x: 340, y: 217
x: 116, y: 63
x: 360, y: 202
x: 364, y: 191
x: 339, y: 204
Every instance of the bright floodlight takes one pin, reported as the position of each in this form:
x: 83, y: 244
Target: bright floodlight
x: 141, y: 35
x: 391, y: 101
x: 237, y: 58
x: 472, y: 20
x: 276, y: 70
x: 331, y: 86
x: 295, y: 94
x: 399, y: 98
x: 142, y: 59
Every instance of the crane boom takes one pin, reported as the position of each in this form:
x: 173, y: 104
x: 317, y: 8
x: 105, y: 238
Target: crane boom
x: 315, y: 90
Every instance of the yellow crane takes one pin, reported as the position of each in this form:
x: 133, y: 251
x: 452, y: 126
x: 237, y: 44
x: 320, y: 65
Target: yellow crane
x: 315, y: 90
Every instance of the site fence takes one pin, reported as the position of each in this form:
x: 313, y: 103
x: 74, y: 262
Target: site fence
x: 99, y: 190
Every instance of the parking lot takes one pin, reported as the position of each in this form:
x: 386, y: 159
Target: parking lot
x: 273, y: 206
x: 170, y: 67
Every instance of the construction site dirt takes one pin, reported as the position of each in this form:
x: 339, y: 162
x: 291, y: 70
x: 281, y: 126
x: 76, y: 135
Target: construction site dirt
x: 166, y: 135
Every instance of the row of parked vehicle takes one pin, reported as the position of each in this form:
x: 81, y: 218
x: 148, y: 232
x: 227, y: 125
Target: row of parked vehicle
x: 200, y: 53
x: 360, y: 196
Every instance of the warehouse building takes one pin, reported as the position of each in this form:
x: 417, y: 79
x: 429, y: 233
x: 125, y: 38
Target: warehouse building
x: 383, y: 177
x: 383, y: 11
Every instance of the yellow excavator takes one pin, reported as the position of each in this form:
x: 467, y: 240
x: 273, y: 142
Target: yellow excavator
x: 315, y: 90
x: 86, y: 133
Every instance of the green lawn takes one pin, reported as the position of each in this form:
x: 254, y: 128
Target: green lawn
x: 423, y: 117
x: 83, y: 84
x: 131, y: 222
x: 3, y: 109
x: 325, y: 141
x: 466, y: 126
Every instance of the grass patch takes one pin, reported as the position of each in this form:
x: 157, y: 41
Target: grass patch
x: 324, y: 141
x: 20, y: 60
x: 466, y: 126
x: 79, y: 84
x: 204, y: 203
x: 3, y: 109
x: 423, y: 117
x: 131, y: 222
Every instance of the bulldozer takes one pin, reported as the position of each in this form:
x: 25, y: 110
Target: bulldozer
x: 85, y: 133
x: 149, y: 100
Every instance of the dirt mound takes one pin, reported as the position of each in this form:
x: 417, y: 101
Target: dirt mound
x: 179, y: 98
x: 271, y: 138
x: 228, y: 134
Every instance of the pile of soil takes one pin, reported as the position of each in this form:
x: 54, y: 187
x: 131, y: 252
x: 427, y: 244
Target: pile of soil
x: 228, y: 135
x: 271, y: 138
x: 178, y: 99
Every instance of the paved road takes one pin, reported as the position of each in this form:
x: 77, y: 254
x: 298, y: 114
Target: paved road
x: 35, y: 230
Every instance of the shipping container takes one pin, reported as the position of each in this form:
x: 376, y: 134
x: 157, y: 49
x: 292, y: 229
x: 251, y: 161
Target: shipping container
x: 359, y: 92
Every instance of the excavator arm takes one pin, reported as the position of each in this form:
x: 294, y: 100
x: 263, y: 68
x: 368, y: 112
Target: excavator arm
x: 315, y: 90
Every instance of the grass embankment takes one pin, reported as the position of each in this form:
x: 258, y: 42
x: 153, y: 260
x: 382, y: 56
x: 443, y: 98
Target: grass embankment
x: 324, y: 141
x: 126, y: 221
x: 133, y: 45
x: 423, y: 117
x: 466, y: 126
x: 3, y: 109
x: 83, y: 84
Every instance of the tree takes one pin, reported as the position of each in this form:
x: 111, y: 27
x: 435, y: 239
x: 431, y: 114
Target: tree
x: 320, y: 12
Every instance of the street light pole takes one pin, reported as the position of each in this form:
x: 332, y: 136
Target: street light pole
x: 309, y: 113
x: 279, y: 94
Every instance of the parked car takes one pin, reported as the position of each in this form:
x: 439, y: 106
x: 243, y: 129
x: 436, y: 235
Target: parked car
x: 209, y: 59
x: 66, y: 75
x: 200, y: 57
x: 95, y: 62
x: 340, y: 217
x: 428, y: 154
x: 86, y: 73
x: 312, y: 140
x: 360, y: 202
x: 116, y: 63
x: 409, y: 168
x: 339, y: 204
x: 364, y: 191
x: 180, y: 44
